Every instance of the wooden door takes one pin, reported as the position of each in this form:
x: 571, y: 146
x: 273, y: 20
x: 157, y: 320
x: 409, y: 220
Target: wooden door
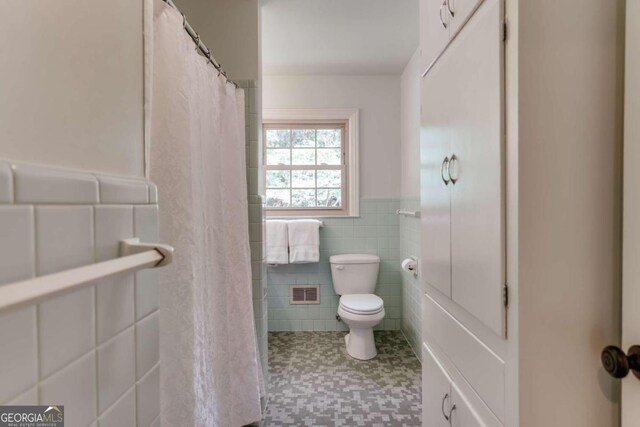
x: 434, y: 182
x: 631, y: 226
x: 475, y: 66
x: 434, y: 30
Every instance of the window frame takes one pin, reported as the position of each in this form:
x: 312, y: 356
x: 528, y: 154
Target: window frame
x: 292, y: 119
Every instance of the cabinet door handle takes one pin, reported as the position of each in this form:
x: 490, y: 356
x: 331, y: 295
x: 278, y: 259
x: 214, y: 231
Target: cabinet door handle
x: 453, y: 162
x: 450, y: 9
x: 453, y: 408
x: 444, y: 24
x: 444, y: 399
x: 445, y: 164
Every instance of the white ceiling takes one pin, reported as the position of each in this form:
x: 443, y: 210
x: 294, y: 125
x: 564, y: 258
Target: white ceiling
x: 338, y: 36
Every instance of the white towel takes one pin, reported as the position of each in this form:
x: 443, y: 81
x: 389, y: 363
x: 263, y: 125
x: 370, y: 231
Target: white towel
x: 277, y: 242
x: 304, y: 241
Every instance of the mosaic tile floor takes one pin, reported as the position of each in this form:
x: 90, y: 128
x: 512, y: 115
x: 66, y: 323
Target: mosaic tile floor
x: 314, y: 382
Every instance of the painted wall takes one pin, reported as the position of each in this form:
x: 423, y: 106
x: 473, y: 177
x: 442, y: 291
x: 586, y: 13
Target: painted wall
x: 377, y: 98
x: 72, y: 84
x: 410, y: 200
x: 230, y: 28
x: 569, y: 209
x: 410, y: 128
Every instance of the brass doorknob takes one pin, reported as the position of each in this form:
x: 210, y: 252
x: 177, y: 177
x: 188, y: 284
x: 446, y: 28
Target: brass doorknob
x: 618, y: 364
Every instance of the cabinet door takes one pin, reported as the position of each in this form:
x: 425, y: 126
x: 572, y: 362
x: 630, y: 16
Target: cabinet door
x: 477, y: 197
x: 462, y: 415
x: 436, y: 392
x: 434, y: 30
x: 460, y: 11
x: 435, y: 192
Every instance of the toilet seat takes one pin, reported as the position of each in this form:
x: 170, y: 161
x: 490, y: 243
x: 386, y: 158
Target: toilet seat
x: 362, y: 304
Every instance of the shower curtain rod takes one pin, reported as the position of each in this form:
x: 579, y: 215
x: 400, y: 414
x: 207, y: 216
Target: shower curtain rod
x: 201, y: 46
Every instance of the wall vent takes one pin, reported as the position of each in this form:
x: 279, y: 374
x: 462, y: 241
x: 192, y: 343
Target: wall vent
x: 304, y: 294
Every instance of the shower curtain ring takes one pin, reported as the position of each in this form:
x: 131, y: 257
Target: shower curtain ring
x: 208, y: 55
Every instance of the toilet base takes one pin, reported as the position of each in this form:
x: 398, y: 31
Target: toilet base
x: 360, y: 344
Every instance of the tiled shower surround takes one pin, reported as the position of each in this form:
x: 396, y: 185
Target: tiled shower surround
x: 95, y: 350
x: 375, y: 232
x: 411, y: 288
x: 256, y: 216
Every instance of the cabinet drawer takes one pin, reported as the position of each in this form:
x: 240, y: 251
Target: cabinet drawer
x: 436, y: 391
x: 461, y: 414
x: 448, y: 400
x: 480, y: 367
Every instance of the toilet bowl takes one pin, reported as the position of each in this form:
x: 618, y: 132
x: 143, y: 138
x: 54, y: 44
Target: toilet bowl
x: 361, y: 312
x: 354, y: 278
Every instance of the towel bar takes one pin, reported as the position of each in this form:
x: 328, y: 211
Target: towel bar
x: 285, y: 219
x: 408, y: 213
x: 134, y: 256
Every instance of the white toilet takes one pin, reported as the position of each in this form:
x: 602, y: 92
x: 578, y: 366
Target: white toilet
x: 354, y: 278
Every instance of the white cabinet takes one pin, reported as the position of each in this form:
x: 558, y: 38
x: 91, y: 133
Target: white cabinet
x: 434, y: 184
x: 434, y: 30
x: 440, y: 21
x: 462, y: 171
x: 461, y: 413
x: 436, y: 392
x: 460, y: 10
x: 443, y: 404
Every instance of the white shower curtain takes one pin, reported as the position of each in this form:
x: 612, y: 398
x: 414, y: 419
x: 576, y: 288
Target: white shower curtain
x: 210, y: 373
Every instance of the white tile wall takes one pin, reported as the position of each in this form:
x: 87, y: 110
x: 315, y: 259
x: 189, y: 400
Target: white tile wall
x: 147, y: 345
x: 148, y: 398
x: 65, y: 237
x: 113, y: 223
x: 18, y: 358
x: 411, y: 286
x: 6, y: 183
x: 116, y: 368
x: 35, y: 184
x: 115, y: 303
x: 29, y: 397
x: 66, y: 329
x: 17, y: 243
x: 94, y: 350
x: 120, y: 190
x: 122, y: 413
x: 145, y: 226
x: 75, y: 388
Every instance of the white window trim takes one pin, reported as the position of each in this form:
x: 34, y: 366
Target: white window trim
x: 350, y: 115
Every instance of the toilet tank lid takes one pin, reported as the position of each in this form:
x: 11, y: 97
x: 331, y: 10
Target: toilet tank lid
x: 354, y: 259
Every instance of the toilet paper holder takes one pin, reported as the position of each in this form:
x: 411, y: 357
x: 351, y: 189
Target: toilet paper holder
x: 410, y: 265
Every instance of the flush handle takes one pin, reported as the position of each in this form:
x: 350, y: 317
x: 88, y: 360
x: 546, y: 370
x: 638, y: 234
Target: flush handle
x: 340, y: 267
x: 618, y: 364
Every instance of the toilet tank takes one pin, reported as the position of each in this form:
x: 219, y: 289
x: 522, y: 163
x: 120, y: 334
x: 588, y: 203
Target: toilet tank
x: 354, y: 273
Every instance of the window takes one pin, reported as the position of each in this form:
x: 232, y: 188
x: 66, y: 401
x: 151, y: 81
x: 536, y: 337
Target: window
x: 307, y: 166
